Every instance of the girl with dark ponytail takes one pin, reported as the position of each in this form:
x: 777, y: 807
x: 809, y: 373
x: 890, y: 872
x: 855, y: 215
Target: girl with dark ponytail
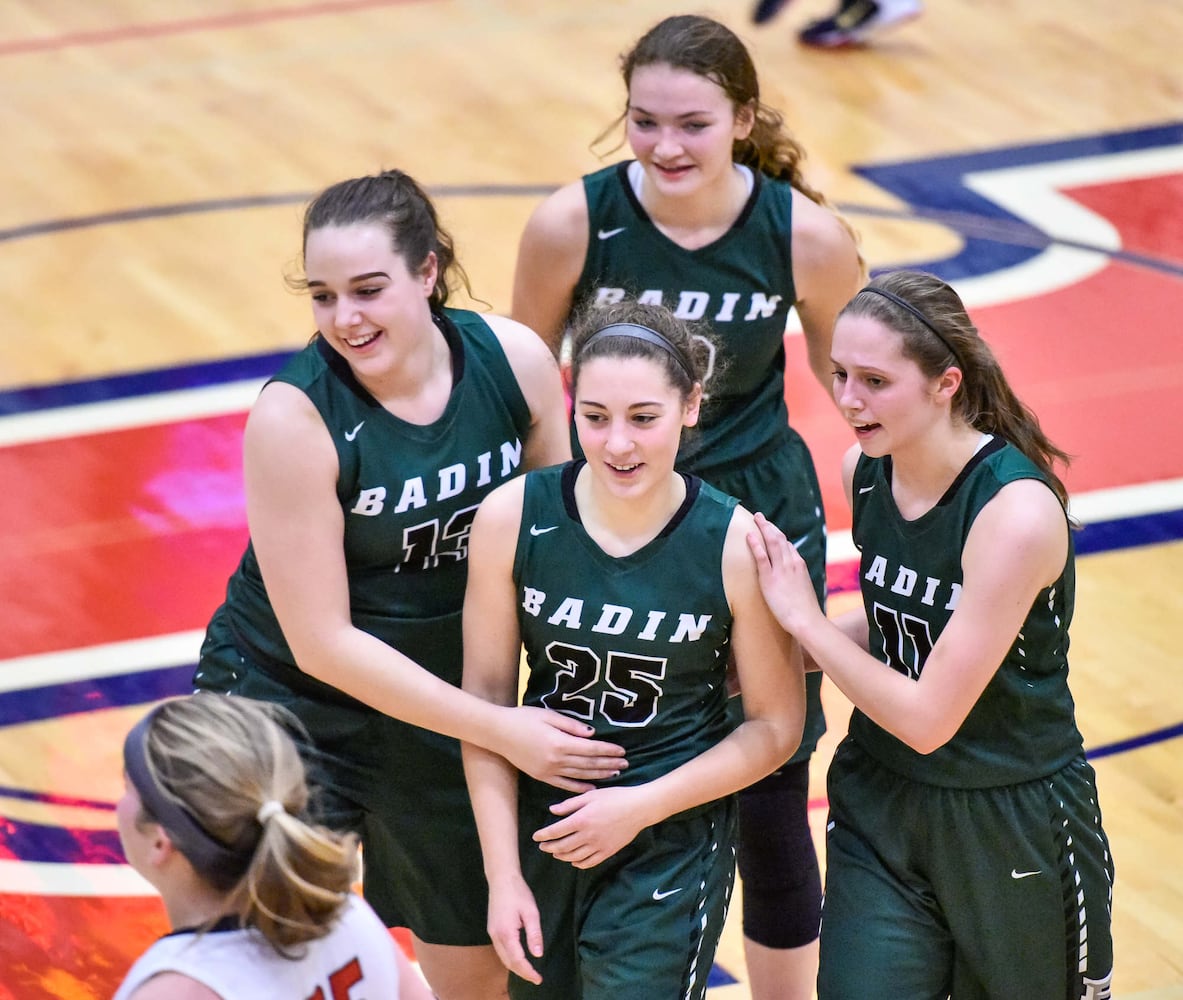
x: 985, y: 400
x: 961, y: 798
x: 365, y: 459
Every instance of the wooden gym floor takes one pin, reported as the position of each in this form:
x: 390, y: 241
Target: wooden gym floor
x: 157, y: 154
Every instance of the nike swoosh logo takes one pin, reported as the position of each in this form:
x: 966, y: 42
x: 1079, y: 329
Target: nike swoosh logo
x: 1016, y: 874
x: 865, y: 489
x: 536, y: 531
x: 350, y: 435
x: 607, y: 234
x: 802, y: 540
x: 658, y: 895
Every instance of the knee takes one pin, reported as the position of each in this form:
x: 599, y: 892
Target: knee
x: 782, y: 917
x: 782, y: 889
x: 462, y: 973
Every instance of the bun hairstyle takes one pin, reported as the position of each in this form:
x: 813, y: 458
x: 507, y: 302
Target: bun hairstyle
x: 937, y: 333
x: 631, y: 329
x: 223, y: 777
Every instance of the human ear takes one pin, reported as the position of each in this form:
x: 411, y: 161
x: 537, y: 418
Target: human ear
x: 745, y: 120
x: 692, y: 406
x: 948, y: 382
x: 162, y: 847
x: 429, y: 272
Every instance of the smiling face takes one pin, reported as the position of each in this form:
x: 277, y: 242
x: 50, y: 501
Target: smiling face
x: 681, y: 127
x: 630, y: 418
x: 365, y: 300
x: 884, y: 395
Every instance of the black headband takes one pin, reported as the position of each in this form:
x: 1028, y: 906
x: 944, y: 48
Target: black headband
x: 907, y: 306
x: 638, y: 332
x: 206, y: 853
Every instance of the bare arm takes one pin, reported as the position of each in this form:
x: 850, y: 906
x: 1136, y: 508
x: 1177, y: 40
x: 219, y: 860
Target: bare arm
x: 1016, y: 547
x: 551, y: 255
x: 853, y: 625
x: 492, y: 651
x: 599, y: 823
x: 290, y: 468
x: 537, y: 373
x: 291, y: 472
x: 826, y: 274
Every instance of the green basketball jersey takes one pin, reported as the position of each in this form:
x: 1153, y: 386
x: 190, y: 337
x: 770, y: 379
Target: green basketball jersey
x: 408, y: 492
x: 1023, y: 726
x: 741, y: 285
x: 635, y: 646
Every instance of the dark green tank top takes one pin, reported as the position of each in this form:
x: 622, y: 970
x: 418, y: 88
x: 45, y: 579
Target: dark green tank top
x: 635, y: 646
x: 408, y: 492
x: 741, y: 285
x: 1023, y: 726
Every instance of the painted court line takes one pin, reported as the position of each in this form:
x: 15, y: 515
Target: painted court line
x: 137, y: 32
x: 122, y: 414
x: 133, y: 656
x: 47, y: 878
x: 109, y: 660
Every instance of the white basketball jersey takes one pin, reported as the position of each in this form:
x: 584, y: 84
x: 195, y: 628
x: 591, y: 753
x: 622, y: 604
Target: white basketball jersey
x: 355, y: 961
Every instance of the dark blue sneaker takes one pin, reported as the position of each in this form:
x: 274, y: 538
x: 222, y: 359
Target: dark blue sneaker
x: 856, y: 23
x: 766, y: 10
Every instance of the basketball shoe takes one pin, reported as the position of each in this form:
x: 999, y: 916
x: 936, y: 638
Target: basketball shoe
x: 857, y: 22
x: 766, y: 10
